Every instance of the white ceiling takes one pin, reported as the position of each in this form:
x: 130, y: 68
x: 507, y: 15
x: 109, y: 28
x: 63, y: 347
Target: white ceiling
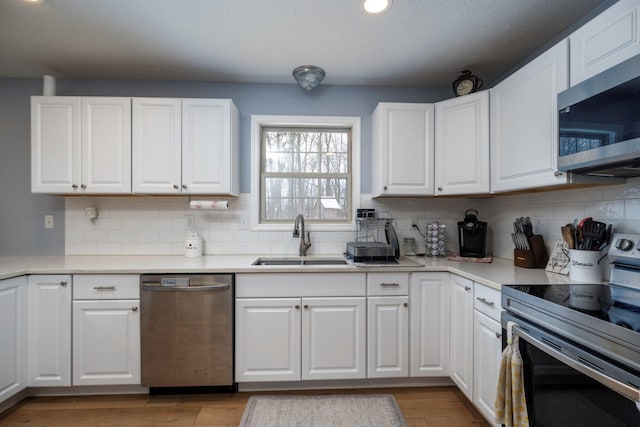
x: 417, y: 43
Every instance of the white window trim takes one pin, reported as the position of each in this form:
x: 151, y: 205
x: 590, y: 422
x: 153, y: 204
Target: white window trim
x: 257, y: 122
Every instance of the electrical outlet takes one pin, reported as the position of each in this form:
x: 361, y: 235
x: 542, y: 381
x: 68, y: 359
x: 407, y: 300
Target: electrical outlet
x: 189, y: 222
x: 48, y: 221
x: 413, y: 221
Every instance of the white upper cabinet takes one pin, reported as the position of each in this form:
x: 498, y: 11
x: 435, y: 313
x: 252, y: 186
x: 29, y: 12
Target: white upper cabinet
x: 185, y: 146
x: 524, y: 123
x: 80, y: 145
x: 607, y: 40
x: 156, y: 134
x: 210, y: 146
x: 462, y: 145
x: 402, y: 149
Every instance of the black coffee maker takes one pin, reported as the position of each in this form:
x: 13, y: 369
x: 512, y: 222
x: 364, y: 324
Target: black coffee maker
x: 472, y: 235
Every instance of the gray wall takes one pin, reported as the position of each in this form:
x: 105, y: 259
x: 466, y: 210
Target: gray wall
x: 21, y: 216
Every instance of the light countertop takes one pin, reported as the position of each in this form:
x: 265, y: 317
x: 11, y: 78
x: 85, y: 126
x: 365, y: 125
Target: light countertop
x: 499, y: 272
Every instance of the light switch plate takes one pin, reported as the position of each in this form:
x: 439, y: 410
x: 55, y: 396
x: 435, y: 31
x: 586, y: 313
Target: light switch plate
x: 48, y: 221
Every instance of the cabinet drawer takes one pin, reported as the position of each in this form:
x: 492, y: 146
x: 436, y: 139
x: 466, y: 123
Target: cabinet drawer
x: 300, y: 285
x: 106, y: 286
x: 487, y: 301
x: 383, y: 284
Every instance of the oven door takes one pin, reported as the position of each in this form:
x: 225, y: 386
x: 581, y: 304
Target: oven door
x: 566, y: 385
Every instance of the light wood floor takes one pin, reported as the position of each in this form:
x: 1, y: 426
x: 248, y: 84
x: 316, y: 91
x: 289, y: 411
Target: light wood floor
x: 422, y: 407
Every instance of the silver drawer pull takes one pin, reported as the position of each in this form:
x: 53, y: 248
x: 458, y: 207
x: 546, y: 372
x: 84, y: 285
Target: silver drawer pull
x: 134, y: 308
x: 104, y: 288
x: 484, y: 300
x: 386, y: 285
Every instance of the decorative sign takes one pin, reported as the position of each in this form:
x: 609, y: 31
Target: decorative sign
x: 559, y: 261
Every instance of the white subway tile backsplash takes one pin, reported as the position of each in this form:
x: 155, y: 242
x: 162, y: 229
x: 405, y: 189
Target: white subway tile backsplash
x: 156, y: 224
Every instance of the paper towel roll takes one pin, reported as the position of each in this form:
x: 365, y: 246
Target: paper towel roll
x: 209, y: 204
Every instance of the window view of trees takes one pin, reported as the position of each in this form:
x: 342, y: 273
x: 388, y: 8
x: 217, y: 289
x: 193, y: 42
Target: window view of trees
x: 308, y: 171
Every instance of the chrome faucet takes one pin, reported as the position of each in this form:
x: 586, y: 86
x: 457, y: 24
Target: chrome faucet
x: 298, y: 231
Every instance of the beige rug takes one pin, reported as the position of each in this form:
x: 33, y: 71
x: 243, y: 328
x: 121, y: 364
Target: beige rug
x: 344, y: 410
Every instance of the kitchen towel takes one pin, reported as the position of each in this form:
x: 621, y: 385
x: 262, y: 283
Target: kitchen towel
x: 511, y: 405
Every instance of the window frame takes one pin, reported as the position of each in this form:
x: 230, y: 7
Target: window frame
x: 338, y: 122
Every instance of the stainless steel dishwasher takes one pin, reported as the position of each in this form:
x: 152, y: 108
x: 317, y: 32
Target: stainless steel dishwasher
x: 187, y: 330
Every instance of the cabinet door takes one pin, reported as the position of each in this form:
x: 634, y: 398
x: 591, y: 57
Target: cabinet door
x: 106, y: 342
x: 605, y: 41
x: 333, y: 338
x: 402, y: 154
x: 462, y: 334
x: 49, y: 331
x: 156, y: 142
x: 430, y: 309
x: 106, y: 145
x: 487, y: 351
x: 387, y: 337
x: 209, y: 146
x: 267, y: 339
x: 55, y: 144
x: 462, y: 145
x: 13, y: 336
x: 524, y: 123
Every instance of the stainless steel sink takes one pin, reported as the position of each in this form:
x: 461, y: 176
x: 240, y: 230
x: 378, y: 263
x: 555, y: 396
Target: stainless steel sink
x: 298, y: 261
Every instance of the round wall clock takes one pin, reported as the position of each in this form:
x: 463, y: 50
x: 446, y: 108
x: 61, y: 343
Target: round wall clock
x: 466, y: 83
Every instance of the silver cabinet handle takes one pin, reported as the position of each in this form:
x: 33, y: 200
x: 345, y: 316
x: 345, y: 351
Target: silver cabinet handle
x: 297, y: 307
x: 104, y: 288
x: 63, y: 284
x: 498, y: 335
x: 74, y: 186
x: 467, y: 288
x: 387, y: 285
x: 557, y: 174
x: 134, y: 308
x: 184, y: 186
x: 384, y: 188
x: 175, y: 186
x: 484, y: 301
x: 439, y: 188
x: 406, y: 304
x: 306, y: 306
x: 83, y: 186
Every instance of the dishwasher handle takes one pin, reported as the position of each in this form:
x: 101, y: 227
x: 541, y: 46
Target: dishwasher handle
x: 185, y: 288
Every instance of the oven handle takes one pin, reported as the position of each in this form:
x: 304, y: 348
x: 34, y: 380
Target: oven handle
x: 624, y: 389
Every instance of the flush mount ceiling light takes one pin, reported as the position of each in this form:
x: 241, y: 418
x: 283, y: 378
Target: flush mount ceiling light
x: 308, y: 76
x: 376, y: 7
x: 33, y: 1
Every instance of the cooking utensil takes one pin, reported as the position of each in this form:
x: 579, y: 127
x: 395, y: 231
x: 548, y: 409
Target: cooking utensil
x: 593, y: 233
x: 568, y: 235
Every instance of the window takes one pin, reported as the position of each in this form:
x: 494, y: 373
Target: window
x: 307, y: 165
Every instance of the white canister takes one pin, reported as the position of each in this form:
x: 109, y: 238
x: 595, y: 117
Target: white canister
x: 584, y: 266
x: 193, y: 245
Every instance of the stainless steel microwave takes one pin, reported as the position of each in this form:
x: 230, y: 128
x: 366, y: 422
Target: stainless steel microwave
x: 599, y: 123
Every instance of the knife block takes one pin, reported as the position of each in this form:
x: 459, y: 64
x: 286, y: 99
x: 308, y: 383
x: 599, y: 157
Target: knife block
x: 536, y: 257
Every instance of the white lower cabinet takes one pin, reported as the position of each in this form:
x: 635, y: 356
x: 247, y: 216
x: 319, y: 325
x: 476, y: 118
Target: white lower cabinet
x: 430, y: 320
x: 487, y: 350
x: 388, y: 337
x: 106, y: 332
x: 106, y: 342
x: 13, y: 336
x: 461, y: 348
x: 292, y: 327
x: 49, y: 330
x: 333, y: 338
x: 268, y: 339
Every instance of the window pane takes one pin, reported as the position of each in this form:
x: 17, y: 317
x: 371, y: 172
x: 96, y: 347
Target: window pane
x: 296, y: 164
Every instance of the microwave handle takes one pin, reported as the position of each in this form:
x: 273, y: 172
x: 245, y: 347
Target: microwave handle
x: 626, y: 390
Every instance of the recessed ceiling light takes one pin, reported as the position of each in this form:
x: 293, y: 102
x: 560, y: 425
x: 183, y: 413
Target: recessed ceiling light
x: 376, y: 7
x: 33, y: 1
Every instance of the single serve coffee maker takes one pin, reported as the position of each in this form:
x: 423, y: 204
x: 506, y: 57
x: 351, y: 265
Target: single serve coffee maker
x: 472, y: 235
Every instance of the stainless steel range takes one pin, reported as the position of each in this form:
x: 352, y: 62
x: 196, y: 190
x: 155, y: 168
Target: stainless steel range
x: 582, y: 367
